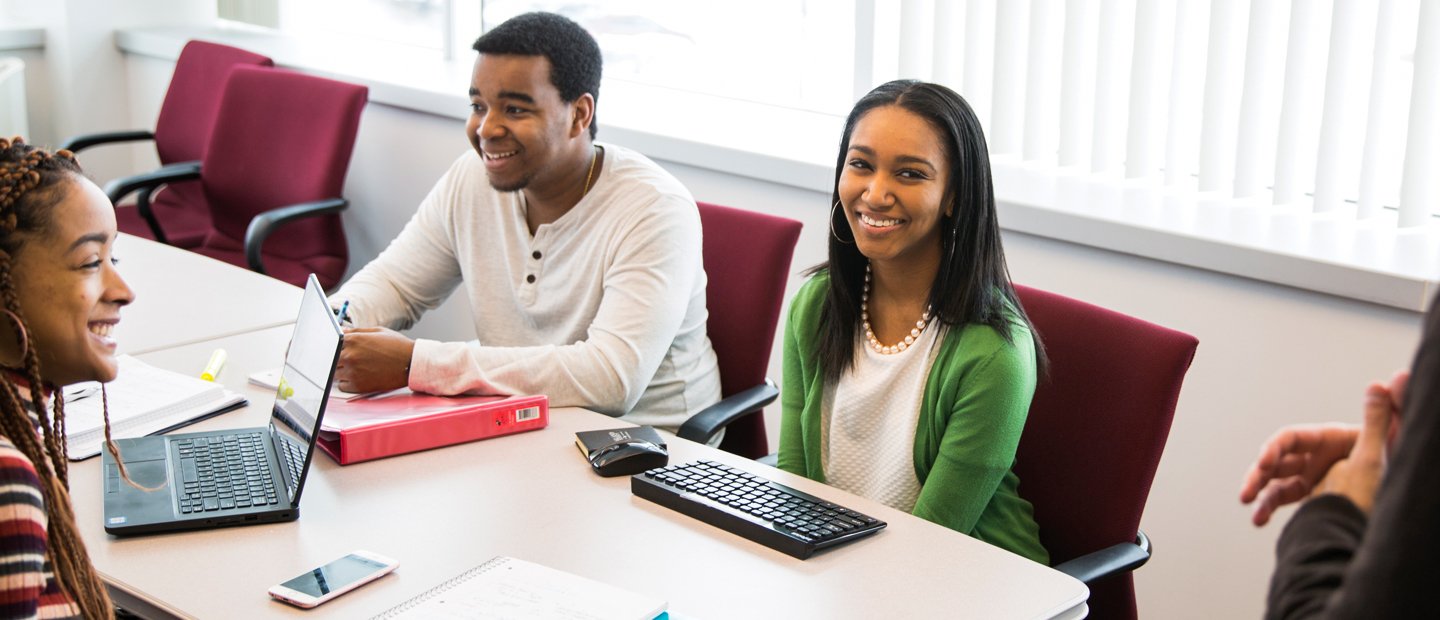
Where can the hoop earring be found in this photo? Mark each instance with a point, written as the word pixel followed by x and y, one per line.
pixel 20 332
pixel 832 226
pixel 954 238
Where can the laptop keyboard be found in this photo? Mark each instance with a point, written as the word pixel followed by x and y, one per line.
pixel 227 472
pixel 294 457
pixel 782 518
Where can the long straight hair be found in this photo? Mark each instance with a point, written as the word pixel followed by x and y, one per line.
pixel 972 284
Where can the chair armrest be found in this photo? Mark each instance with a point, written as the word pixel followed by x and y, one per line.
pixel 262 225
pixel 146 183
pixel 1108 562
pixel 85 141
pixel 118 189
pixel 705 424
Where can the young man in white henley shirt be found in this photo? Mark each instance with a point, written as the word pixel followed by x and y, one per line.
pixel 581 260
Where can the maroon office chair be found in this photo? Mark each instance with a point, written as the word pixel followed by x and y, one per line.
pixel 747 262
pixel 273 173
pixel 181 132
pixel 1092 442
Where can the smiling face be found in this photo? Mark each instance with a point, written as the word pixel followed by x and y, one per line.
pixel 519 124
pixel 893 186
pixel 69 290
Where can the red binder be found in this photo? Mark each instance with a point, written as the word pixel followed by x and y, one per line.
pixel 409 422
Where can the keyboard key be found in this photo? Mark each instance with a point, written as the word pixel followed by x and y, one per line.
pixel 187 470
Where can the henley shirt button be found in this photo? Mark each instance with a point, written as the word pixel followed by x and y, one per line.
pixel 530 278
pixel 535 255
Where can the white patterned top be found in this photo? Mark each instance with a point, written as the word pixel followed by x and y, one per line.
pixel 868 421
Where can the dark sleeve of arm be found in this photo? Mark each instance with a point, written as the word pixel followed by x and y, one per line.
pixel 1313 553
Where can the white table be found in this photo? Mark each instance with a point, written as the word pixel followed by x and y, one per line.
pixel 532 496
pixel 182 297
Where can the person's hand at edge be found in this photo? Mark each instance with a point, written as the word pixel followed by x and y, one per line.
pixel 1291 463
pixel 1397 401
pixel 374 359
pixel 1295 459
pixel 1358 476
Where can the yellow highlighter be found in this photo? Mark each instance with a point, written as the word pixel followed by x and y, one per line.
pixel 212 369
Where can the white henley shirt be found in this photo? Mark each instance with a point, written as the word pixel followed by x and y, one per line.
pixel 603 308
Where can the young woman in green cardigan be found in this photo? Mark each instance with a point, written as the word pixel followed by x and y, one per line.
pixel 909 365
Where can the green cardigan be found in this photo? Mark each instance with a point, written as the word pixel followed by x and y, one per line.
pixel 971 415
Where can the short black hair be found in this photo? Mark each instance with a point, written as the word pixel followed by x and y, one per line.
pixel 574 55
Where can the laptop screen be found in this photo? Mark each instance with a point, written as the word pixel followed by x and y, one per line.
pixel 305 383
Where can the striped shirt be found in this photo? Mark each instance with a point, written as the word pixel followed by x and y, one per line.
pixel 28 588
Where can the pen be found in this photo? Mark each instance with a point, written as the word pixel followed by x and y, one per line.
pixel 340 316
pixel 212 369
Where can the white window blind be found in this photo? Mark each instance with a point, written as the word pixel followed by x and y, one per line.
pixel 1309 105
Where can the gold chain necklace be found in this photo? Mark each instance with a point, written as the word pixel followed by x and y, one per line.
pixel 594 150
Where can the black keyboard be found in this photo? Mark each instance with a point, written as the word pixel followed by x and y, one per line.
pixel 787 520
pixel 294 457
pixel 228 472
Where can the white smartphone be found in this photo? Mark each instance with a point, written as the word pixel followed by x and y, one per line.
pixel 331 580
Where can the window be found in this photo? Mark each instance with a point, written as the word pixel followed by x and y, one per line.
pixel 790 53
pixel 1306 103
pixel 446 27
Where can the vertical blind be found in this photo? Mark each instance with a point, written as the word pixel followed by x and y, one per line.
pixel 1326 105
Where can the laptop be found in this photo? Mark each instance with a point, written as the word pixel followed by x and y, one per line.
pixel 240 476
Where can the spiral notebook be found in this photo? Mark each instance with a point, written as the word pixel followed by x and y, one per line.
pixel 507 588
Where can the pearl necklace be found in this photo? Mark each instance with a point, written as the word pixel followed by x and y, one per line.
pixel 870 333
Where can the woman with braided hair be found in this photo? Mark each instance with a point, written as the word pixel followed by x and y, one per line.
pixel 61 299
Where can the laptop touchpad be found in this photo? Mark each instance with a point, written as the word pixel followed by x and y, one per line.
pixel 143 449
pixel 144 473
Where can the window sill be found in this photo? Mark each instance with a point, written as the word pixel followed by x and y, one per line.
pixel 1370 261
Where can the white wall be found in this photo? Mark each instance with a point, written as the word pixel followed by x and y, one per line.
pixel 81 87
pixel 1269 355
pixel 37 96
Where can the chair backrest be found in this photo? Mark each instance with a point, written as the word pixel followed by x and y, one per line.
pixel 747 263
pixel 1096 429
pixel 282 138
pixel 193 99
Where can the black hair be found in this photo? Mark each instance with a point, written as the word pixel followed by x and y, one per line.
pixel 972 284
pixel 574 56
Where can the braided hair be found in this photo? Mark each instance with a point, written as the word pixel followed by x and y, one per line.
pixel 32 183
